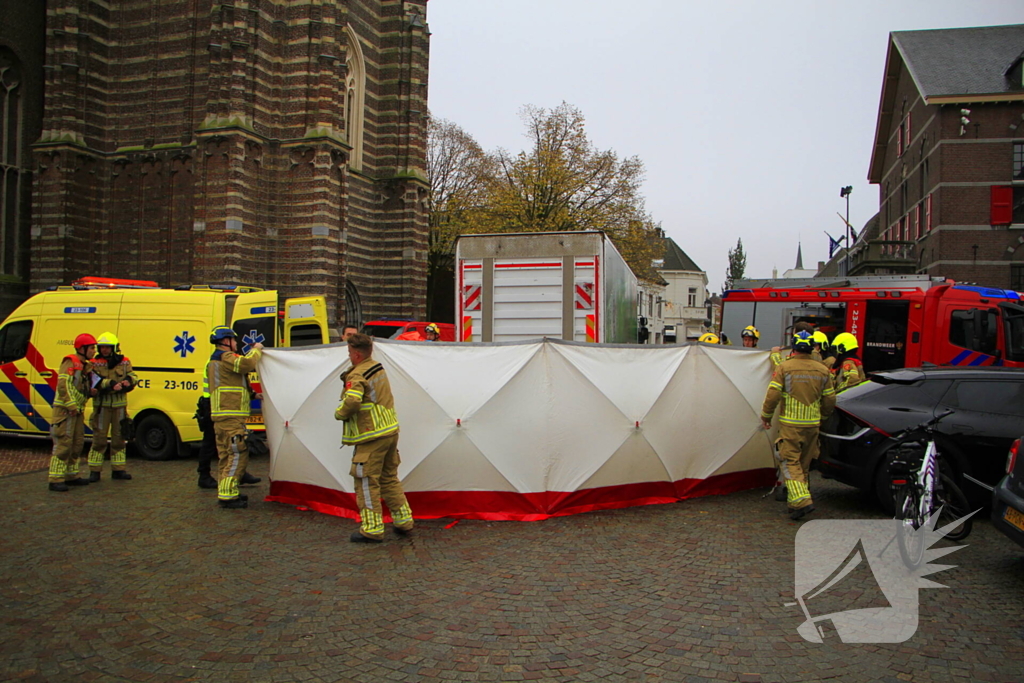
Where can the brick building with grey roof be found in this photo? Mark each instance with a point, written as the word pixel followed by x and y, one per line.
pixel 948 158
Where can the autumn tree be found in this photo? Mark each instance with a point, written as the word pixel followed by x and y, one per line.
pixel 563 182
pixel 737 266
pixel 457 170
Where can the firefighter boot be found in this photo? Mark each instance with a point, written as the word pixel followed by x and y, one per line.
pixel 207 482
pixel 234 503
pixel 248 479
pixel 94 477
pixel 78 481
pixel 357 537
pixel 799 513
pixel 58 486
pixel 120 474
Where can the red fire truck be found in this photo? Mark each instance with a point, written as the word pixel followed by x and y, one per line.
pixel 899 321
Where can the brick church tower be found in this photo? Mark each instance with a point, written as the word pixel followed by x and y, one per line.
pixel 275 143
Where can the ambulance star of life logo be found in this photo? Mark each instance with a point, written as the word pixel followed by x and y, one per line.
pixel 183 344
pixel 853 580
pixel 254 337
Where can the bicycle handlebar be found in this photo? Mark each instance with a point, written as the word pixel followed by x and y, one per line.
pixel 924 426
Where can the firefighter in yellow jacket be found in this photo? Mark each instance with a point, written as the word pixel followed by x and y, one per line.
pixel 804 388
pixel 67 426
pixel 110 407
pixel 371 425
pixel 848 369
pixel 229 407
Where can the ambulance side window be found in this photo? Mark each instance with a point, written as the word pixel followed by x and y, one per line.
pixel 252 330
pixel 14 338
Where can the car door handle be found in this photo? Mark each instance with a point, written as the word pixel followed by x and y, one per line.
pixel 963 429
pixel 21 374
pixel 46 374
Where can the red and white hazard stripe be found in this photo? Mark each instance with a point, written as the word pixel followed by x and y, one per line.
pixel 471 297
pixel 584 296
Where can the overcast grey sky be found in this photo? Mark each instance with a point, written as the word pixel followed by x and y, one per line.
pixel 749 116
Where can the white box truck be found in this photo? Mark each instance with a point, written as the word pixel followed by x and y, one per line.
pixel 561 285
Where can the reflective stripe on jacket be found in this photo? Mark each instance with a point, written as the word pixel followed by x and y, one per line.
pixel 106 397
pixel 367 406
pixel 804 387
pixel 72 383
pixel 229 391
pixel 850 374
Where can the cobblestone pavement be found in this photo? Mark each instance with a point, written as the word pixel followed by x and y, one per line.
pixel 24 455
pixel 147 580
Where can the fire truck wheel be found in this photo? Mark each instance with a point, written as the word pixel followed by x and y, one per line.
pixel 156 438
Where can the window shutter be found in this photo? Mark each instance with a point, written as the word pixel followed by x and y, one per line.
pixel 1002 205
pixel 909 135
pixel 899 141
pixel 928 213
pixel 917 222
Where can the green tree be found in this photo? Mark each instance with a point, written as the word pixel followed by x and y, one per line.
pixel 458 171
pixel 737 266
pixel 563 182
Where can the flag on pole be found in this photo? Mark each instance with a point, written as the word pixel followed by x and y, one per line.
pixel 834 244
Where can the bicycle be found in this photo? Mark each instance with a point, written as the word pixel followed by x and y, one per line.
pixel 920 490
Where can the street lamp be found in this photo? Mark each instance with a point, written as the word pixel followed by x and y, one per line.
pixel 845 192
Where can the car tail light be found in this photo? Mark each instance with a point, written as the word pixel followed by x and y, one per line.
pixel 864 423
pixel 1011 458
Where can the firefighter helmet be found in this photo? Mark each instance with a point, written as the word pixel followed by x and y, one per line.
pixel 845 342
pixel 802 342
pixel 750 331
pixel 432 327
pixel 84 339
pixel 708 338
pixel 820 338
pixel 107 339
pixel 221 332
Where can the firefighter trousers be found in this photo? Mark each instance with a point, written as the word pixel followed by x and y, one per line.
pixel 233 453
pixel 68 434
pixel 798 446
pixel 104 420
pixel 375 471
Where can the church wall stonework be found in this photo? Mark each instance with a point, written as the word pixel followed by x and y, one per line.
pixel 210 142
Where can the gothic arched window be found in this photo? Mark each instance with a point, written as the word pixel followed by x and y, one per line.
pixel 14 175
pixel 355 97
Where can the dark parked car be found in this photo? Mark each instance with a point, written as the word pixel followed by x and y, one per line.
pixel 989 414
pixel 1008 498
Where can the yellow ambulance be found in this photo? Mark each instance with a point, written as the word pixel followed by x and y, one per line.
pixel 164 332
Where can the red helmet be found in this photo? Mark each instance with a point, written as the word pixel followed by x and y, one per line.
pixel 84 339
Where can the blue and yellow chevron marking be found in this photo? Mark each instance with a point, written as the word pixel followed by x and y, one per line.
pixel 24 407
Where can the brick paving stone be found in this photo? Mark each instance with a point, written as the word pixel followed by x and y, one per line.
pixel 149 580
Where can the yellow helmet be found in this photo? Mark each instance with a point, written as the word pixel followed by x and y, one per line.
pixel 708 338
pixel 820 338
pixel 845 342
pixel 107 339
pixel 432 327
pixel 750 331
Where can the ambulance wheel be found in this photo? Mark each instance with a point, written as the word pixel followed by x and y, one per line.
pixel 156 438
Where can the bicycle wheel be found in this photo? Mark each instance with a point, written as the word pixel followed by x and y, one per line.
pixel 954 506
pixel 912 544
